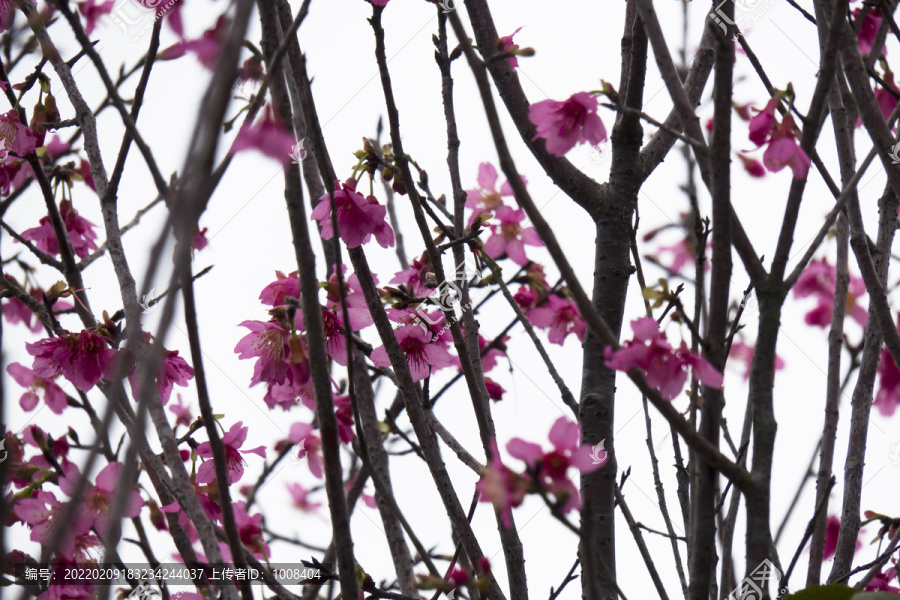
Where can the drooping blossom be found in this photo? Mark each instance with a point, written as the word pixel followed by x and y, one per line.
pixel 206 47
pixel 495 390
pixel 210 508
pixel 551 468
pixel 819 280
pixel 172 369
pixel 300 498
pixel 80 230
pixel 422 356
pixel 232 440
pixel 832 531
pixel 343 411
pixel 91 10
pixel 43 512
pixel 198 240
pixel 15 311
pixel 526 297
pixel 54 397
pixel 888 395
pixel 506 44
pixel 19 138
pixel 267 135
pixel 762 124
pixel 561 317
pixel 783 150
pixel 501 486
pixel 509 237
pixel 744 354
pixel 567 123
pixel 82 358
pixel 665 368
pixel 250 531
pixel 182 412
pixel 275 293
pixel 486 198
pixel 7 9
pixel 99 497
pixel 281 361
pixel 414 277
pixel 359 217
pixel 310 447
pixel 881 582
pixel 868 30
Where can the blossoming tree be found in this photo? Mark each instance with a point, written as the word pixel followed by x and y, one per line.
pixel 351 353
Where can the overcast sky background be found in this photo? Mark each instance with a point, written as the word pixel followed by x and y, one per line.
pixel 577 45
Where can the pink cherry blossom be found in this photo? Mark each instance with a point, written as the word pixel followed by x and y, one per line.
pixel 567 123
pixel 552 467
pixel 665 368
pixel 818 280
pixel 832 530
pixel 762 124
pixel 509 237
pixel 82 358
pixel 744 353
pixel 268 135
pixel 501 486
pixel 868 29
pixel 423 356
pixel 783 151
pixel 250 531
pixel 358 217
pixel 352 290
pixel 173 369
pixel 561 317
pixel 335 340
pixel 42 513
pixel 888 395
pixel 507 45
pixel 282 361
pixel 198 240
pixel 682 253
pixel 232 440
pixel 80 231
pixel 881 582
pixel 485 199
pixel 300 498
pixel 7 8
pixel 91 10
pixel 494 389
pixel 19 138
pixel 414 277
pixel 182 412
pixel 54 397
pixel 99 497
pixel 206 47
pixel 283 286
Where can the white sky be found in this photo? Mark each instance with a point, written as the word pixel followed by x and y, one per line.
pixel 577 44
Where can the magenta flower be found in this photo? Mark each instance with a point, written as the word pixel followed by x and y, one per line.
pixel 358 217
pixel 564 124
pixel 495 390
pixel 198 240
pixel 7 8
pixel 54 397
pixel 42 514
pixel 818 280
pixel 423 356
pixel 832 530
pixel 233 440
pixel 250 531
pixel 310 447
pixel 414 277
pixel 561 317
pixel 182 412
pixel 92 11
pixel 551 468
pixel 487 198
pixel 526 297
pixel 283 286
pixel 300 498
pixel 352 291
pixel 507 45
pixel 15 311
pixel 206 47
pixel 753 167
pixel 783 151
pixel 762 124
pixel 333 321
pixel 868 29
pixel 744 353
pixel 682 254
pixel 881 582
pixel 19 138
pixel 173 369
pixel 82 358
pixel 80 231
pixel 888 395
pixel 98 498
pixel 282 361
pixel 509 237
pixel 268 136
pixel 501 486
pixel 665 368
pixel 887 101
